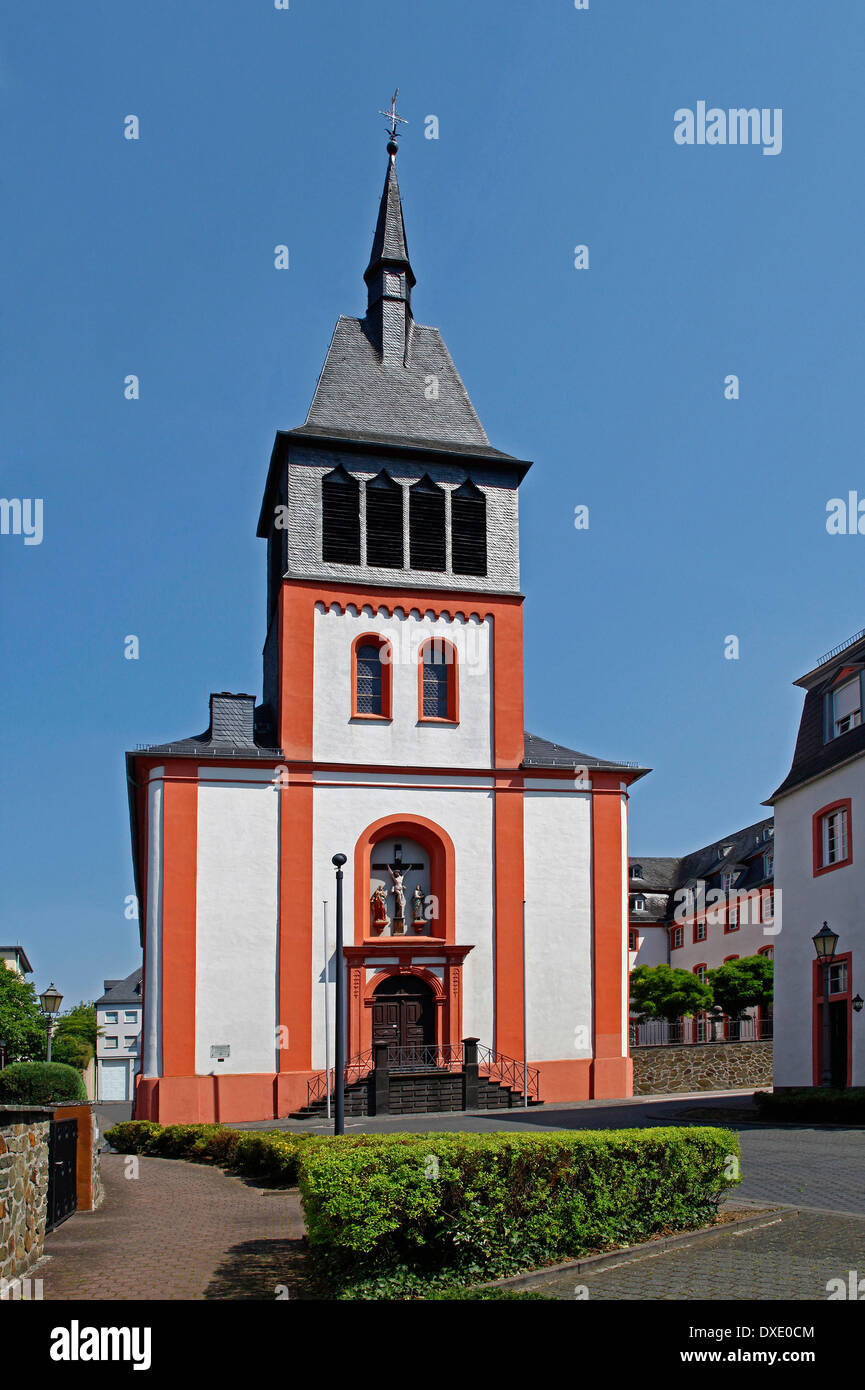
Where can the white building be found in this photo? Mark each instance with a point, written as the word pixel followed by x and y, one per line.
pixel 13 958
pixel 118 1044
pixel 819 810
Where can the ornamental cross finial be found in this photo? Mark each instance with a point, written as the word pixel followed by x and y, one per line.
pixel 394 118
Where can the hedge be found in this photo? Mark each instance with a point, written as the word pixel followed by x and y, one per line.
pixel 40 1083
pixel 271 1155
pixel 384 1211
pixel 818 1104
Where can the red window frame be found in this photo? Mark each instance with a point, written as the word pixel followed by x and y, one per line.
pixel 817 836
pixel 674 944
pixel 453 684
pixel 374 639
pixel 705 937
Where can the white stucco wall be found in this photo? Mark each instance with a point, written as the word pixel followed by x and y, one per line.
pixel 802 903
pixel 403 740
pixel 558 888
pixel 237 919
pixel 340 815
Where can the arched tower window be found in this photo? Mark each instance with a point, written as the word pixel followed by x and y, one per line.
pixel 469 530
pixel 438 680
pixel 426 524
pixel 371 677
pixel 384 541
pixel 340 511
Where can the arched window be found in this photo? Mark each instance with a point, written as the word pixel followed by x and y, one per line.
pixel 384 542
pixel 426 525
pixel 468 530
pixel 340 518
pixel 371 677
pixel 700 972
pixel 438 681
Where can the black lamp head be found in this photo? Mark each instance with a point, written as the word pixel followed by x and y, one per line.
pixel 338 860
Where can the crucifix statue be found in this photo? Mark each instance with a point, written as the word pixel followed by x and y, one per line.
pixel 398 869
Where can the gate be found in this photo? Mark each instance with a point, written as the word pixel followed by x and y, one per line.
pixel 62 1185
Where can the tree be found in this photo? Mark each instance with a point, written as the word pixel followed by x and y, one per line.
pixel 22 1027
pixel 75 1033
pixel 740 985
pixel 657 991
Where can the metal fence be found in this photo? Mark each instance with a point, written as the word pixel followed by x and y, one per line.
pixel 658 1033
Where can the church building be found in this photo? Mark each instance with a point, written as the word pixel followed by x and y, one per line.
pixel 487 868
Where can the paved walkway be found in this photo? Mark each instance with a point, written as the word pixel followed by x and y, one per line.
pixel 177 1231
pixel 791 1260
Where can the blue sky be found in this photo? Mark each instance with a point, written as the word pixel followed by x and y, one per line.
pixel 155 257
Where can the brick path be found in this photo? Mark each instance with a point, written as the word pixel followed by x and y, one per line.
pixel 789 1260
pixel 178 1231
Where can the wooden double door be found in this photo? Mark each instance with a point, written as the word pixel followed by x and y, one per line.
pixel 403 1016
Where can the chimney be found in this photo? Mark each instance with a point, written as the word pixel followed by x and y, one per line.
pixel 231 719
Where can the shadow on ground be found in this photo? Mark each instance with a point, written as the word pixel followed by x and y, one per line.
pixel 261 1269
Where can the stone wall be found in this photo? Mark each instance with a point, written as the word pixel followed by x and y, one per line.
pixel 718 1066
pixel 23 1188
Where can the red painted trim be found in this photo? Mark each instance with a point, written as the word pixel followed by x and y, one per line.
pixel 442 856
pixel 374 639
pixel 179 881
pixel 452 667
pixel 509 893
pixel 817 836
pixel 295 922
pixel 817 1001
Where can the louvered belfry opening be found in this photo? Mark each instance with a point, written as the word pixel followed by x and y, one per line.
pixel 340 506
pixel 384 539
pixel 426 522
pixel 468 530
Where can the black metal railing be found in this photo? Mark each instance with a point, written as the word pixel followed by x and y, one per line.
pixel 657 1033
pixel 516 1075
pixel 356 1068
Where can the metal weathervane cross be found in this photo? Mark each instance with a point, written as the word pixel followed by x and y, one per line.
pixel 393 117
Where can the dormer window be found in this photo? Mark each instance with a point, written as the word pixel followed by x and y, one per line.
pixel 844 707
pixel 728 878
pixel 636 871
pixel 639 903
pixel 768 865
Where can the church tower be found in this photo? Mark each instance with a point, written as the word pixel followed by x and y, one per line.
pixel 390 730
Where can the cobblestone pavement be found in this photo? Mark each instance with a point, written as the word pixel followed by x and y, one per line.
pixel 178 1231
pixel 789 1260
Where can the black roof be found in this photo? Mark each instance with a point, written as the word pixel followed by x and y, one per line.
pixel 814 754
pixel 741 852
pixel 540 752
pixel 126 991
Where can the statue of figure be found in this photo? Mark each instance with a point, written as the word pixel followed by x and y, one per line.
pixel 418 903
pixel 398 891
pixel 378 903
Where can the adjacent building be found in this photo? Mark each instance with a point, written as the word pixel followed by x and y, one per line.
pixel 819 810
pixel 486 867
pixel 711 906
pixel 14 958
pixel 118 1042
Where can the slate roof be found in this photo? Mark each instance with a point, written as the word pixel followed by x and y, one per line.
pixel 540 752
pixel 662 876
pixel 358 392
pixel 238 728
pixel 126 991
pixel 813 754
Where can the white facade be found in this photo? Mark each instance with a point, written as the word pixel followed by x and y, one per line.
pixel 804 900
pixel 118 1050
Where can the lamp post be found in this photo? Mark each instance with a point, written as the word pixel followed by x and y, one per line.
pixel 339 1060
pixel 825 942
pixel 50 1000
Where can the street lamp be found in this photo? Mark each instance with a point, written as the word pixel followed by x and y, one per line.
pixel 825 942
pixel 50 1000
pixel 339 1060
pixel 858 1001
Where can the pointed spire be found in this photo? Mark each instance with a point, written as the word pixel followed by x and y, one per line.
pixel 389 276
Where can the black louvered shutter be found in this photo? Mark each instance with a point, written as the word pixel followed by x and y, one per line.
pixel 469 530
pixel 426 525
pixel 340 506
pixel 384 545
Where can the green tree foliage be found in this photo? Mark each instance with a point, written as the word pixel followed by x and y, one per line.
pixel 22 1027
pixel 740 985
pixel 657 991
pixel 75 1033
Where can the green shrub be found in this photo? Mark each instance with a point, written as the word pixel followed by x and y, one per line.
pixel 818 1104
pixel 394 1213
pixel 132 1136
pixel 264 1154
pixel 40 1083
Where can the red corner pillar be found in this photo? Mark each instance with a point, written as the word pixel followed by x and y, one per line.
pixel 612 1069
